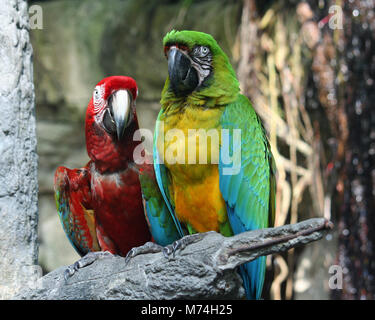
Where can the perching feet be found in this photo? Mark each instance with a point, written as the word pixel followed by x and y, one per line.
pixel 148 247
pixel 182 243
pixel 151 247
pixel 85 261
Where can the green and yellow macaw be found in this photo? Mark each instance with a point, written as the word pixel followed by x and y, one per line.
pixel 229 185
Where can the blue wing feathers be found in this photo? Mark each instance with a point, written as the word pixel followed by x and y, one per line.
pixel 244 193
pixel 161 175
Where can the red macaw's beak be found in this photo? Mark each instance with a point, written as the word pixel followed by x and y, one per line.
pixel 121 110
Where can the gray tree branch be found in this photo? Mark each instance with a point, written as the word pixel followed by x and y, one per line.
pixel 204 267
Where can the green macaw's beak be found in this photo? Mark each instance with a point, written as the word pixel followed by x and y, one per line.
pixel 182 75
pixel 121 107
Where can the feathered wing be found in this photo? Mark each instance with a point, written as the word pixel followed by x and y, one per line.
pixel 162 180
pixel 248 186
pixel 159 219
pixel 72 195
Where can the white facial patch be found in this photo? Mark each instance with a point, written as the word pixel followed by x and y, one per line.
pixel 203 70
pixel 98 99
pixel 201 60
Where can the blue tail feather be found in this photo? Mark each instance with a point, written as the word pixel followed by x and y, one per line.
pixel 252 274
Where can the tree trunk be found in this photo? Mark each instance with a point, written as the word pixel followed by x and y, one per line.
pixel 18 158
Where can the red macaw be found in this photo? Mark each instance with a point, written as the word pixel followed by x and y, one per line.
pixel 100 205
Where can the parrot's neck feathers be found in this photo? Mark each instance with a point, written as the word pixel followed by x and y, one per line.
pixel 108 153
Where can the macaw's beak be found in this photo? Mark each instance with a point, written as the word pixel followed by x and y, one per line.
pixel 182 75
pixel 121 110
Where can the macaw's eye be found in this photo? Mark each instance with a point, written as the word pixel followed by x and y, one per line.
pixel 96 94
pixel 204 50
pixel 201 51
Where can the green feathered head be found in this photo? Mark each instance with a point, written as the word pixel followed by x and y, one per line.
pixel 199 71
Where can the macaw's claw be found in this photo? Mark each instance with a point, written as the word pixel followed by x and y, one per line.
pixel 181 244
pixel 69 271
pixel 84 262
pixel 148 247
pixel 172 248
